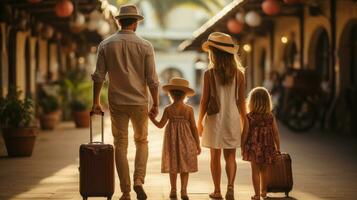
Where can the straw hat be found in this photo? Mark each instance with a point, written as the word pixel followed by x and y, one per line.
pixel 221 41
pixel 179 84
pixel 129 11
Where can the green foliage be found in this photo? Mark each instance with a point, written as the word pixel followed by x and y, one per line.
pixel 14 112
pixel 76 90
pixel 48 103
pixel 163 7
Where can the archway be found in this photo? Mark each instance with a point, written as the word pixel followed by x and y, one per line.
pixel 12 58
pixel 28 73
pixel 319 50
pixel 348 55
pixel 348 75
pixel 169 73
pixel 165 77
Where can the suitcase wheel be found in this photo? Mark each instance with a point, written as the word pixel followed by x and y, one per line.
pixel 287 194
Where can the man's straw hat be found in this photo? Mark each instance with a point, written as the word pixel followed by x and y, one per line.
pixel 129 11
pixel 221 41
pixel 179 84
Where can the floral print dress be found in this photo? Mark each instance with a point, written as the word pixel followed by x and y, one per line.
pixel 260 145
pixel 179 153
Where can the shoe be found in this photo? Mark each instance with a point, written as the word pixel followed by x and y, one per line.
pixel 140 193
pixel 173 194
pixel 230 193
pixel 215 196
pixel 184 195
pixel 255 197
pixel 125 196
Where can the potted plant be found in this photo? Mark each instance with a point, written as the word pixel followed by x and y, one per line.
pixel 50 112
pixel 17 117
pixel 80 103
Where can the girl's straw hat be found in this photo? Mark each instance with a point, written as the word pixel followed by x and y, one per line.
pixel 179 84
pixel 221 41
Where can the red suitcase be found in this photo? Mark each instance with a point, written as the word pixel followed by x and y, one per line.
pixel 279 175
pixel 96 167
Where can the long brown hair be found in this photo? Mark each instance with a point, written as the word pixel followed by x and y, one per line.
pixel 224 64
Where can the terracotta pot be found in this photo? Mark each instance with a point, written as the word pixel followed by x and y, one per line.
pixel 81 118
pixel 48 121
pixel 19 141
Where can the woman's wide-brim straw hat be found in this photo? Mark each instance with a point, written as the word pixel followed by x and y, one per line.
pixel 220 41
pixel 129 11
pixel 179 84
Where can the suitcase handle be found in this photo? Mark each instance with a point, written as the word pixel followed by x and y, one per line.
pixel 102 126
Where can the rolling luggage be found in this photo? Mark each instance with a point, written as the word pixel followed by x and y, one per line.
pixel 279 174
pixel 96 166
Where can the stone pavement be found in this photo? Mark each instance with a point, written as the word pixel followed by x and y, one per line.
pixel 324 167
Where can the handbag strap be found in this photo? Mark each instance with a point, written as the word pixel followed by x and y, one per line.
pixel 212 83
pixel 237 86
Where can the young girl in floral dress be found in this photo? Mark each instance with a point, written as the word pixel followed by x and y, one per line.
pixel 261 142
pixel 181 143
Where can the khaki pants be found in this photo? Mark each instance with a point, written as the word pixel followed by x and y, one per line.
pixel 120 116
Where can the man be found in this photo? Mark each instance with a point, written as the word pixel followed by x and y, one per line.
pixel 129 62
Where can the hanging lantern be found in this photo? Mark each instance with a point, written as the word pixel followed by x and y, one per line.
pixel 271 7
pixel 103 27
pixel 253 19
pixel 77 25
pixel 240 17
pixel 234 26
pixel 293 1
pixel 64 8
pixel 34 1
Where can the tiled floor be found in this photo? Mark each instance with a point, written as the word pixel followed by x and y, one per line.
pixel 324 167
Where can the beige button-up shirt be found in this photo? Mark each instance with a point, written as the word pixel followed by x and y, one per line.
pixel 129 61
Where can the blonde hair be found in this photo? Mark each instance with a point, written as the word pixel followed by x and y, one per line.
pixel 225 64
pixel 259 101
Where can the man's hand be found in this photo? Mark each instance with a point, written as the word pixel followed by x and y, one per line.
pixel 154 111
pixel 97 109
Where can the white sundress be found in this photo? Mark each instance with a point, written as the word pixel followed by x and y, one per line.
pixel 223 130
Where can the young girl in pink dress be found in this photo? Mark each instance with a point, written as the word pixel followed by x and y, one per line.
pixel 261 142
pixel 181 143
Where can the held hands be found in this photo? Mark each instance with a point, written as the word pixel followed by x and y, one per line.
pixel 198 149
pixel 154 111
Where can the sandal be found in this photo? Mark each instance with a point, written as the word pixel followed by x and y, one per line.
pixel 255 197
pixel 215 196
pixel 230 193
pixel 184 195
pixel 173 194
pixel 264 196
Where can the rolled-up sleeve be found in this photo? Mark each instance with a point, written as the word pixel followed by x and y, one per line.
pixel 152 79
pixel 101 68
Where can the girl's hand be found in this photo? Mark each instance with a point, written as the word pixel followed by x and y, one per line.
pixel 200 129
pixel 198 150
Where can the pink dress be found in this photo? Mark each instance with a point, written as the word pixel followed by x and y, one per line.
pixel 179 153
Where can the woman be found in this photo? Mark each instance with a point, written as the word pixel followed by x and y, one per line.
pixel 223 83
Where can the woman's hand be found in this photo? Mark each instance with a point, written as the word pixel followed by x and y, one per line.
pixel 200 128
